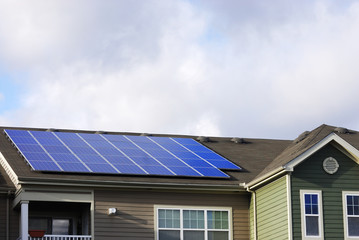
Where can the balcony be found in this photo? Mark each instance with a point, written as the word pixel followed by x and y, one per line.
pixel 60 237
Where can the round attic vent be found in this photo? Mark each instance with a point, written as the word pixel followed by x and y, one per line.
pixel 330 165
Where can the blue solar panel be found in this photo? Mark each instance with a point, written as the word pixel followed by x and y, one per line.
pixel 60 157
pixel 24 140
pixel 119 159
pixel 36 156
pixel 211 172
pixel 30 148
pixel 130 169
pixel 73 167
pixel 186 141
pixel 45 166
pixel 102 168
pixel 118 154
pixel 223 164
pixel 157 170
pixel 124 145
pixel 107 151
pixel 91 158
pixel 57 149
pixel 184 171
pixel 206 154
pixel 17 133
pixel 172 162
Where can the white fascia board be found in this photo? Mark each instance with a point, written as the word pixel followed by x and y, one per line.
pixel 9 171
pixel 331 137
pixel 267 177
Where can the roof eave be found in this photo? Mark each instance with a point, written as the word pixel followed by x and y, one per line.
pixel 128 184
pixel 267 177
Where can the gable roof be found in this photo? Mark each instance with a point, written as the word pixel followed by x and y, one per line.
pixel 308 143
pixel 252 156
pixel 258 158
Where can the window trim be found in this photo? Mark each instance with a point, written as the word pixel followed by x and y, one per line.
pixel 345 214
pixel 181 208
pixel 303 215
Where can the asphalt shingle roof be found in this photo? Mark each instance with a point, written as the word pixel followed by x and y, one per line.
pixel 253 156
pixel 257 158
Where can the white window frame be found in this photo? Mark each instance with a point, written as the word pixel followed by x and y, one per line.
pixel 303 215
pixel 205 209
pixel 345 214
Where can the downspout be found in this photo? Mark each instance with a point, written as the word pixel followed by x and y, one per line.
pixel 254 212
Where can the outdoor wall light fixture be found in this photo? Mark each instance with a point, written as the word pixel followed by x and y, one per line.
pixel 111 211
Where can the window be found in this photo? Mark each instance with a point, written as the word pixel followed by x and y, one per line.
pixel 311 211
pixel 56 226
pixel 193 224
pixel 351 215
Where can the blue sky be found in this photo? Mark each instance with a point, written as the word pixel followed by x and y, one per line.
pixel 204 67
pixel 10 93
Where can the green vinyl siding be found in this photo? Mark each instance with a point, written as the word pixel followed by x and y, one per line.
pixel 309 175
pixel 272 211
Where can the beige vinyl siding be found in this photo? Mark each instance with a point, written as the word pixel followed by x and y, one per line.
pixel 272 211
pixel 3 213
pixel 13 218
pixel 310 175
pixel 135 220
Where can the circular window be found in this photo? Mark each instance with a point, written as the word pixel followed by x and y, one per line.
pixel 330 165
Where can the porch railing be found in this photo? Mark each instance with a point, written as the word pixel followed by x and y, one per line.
pixel 61 237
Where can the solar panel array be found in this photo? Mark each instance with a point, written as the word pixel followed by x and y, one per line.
pixel 118 154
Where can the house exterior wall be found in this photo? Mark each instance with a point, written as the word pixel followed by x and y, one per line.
pixel 135 220
pixel 272 211
pixel 13 219
pixel 310 175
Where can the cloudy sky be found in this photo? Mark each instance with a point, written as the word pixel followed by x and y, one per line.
pixel 264 69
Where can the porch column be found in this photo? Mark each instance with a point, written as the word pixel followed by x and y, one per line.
pixel 24 224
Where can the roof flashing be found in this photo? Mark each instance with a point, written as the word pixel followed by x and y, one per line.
pixel 343 130
pixel 301 137
pixel 100 132
pixel 52 130
pixel 203 139
pixel 239 140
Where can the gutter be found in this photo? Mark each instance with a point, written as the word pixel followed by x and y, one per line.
pixel 125 184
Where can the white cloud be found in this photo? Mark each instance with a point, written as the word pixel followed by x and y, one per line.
pixel 207 68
